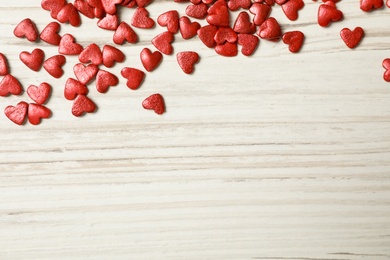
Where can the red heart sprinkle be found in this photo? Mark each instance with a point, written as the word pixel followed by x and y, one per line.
pixel 82 104
pixel 261 12
pixel 328 13
pixel 134 77
pixel 53 65
pixel 124 33
pixel 155 102
pixel 69 13
pixel 218 14
pixel 187 60
pixel 91 54
pixel 141 19
pixel 249 43
pixel 225 34
pixel 294 40
pixel 227 49
pixel 243 24
pixel 386 66
pixel 198 11
pixel 84 8
pixel 291 8
pixel 74 88
pixel 188 29
pixel 3 65
pixel 143 3
pixel 85 74
pixel 270 30
pixel 150 60
pixel 104 80
pixel 163 42
pixel 36 112
pixel 110 5
pixel 28 29
pixel 112 55
pixel 68 46
pixel 109 22
pixel 236 4
pixel 206 35
pixel 10 85
pixel 18 113
pixel 39 94
pixel 50 33
pixel 54 6
pixel 33 60
pixel 352 38
pixel 169 19
pixel 368 5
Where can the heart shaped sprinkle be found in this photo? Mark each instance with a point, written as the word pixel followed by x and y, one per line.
pixel 141 19
pixel 33 60
pixel 134 77
pixel 328 13
pixel 109 22
pixel 124 33
pixel 187 60
pixel 291 8
pixel 68 46
pixel 104 80
pixel 150 60
pixel 74 88
pixel 82 104
pixel 270 30
pixel 85 74
pixel 155 102
pixel 294 40
pixel 54 6
pixel 69 14
pixel 386 66
pixel 249 43
pixel 36 112
pixel 169 19
pixel 188 29
pixel 3 65
pixel 112 55
pixel 18 113
pixel 198 11
pixel 10 85
pixel 352 38
pixel 53 65
pixel 91 54
pixel 39 94
pixel 163 42
pixel 28 29
pixel 50 33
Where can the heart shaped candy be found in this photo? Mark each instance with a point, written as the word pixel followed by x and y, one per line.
pixel 352 38
pixel 39 94
pixel 163 42
pixel 124 33
pixel 50 33
pixel 386 66
pixel 54 6
pixel 188 29
pixel 10 85
pixel 18 113
pixel 68 46
pixel 82 104
pixel 150 60
pixel 3 65
pixel 294 40
pixel 28 29
pixel 33 60
pixel 85 74
pixel 104 80
pixel 141 19
pixel 169 19
pixel 91 54
pixel 74 88
pixel 249 43
pixel 112 55
pixel 53 65
pixel 155 102
pixel 69 14
pixel 36 112
pixel 134 77
pixel 187 60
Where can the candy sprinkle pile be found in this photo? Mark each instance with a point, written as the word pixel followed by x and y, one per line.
pixel 253 23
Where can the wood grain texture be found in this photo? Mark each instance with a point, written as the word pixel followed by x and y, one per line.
pixel 275 156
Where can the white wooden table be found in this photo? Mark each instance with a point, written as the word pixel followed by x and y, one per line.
pixel 275 156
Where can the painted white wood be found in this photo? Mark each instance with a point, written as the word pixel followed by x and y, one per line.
pixel 275 156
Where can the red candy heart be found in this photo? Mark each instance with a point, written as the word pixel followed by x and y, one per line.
pixel 243 24
pixel 169 19
pixel 291 8
pixel 206 35
pixel 294 40
pixel 227 49
pixel 10 85
pixel 187 60
pixel 109 22
pixel 74 88
pixel 236 4
pixel 150 60
pixel 155 102
pixel 33 60
pixel 68 46
pixel 261 12
pixel 54 6
pixel 82 104
pixel 18 113
pixel 36 112
pixel 225 34
pixel 270 30
pixel 39 94
pixel 188 29
pixel 386 65
pixel 110 5
pixel 3 65
pixel 141 19
pixel 134 77
pixel 104 80
pixel 218 14
pixel 112 55
pixel 69 13
pixel 124 33
pixel 83 7
pixel 249 43
pixel 53 65
pixel 163 42
pixel 368 5
pixel 85 74
pixel 28 29
pixel 50 33
pixel 352 38
pixel 198 11
pixel 328 13
pixel 91 54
